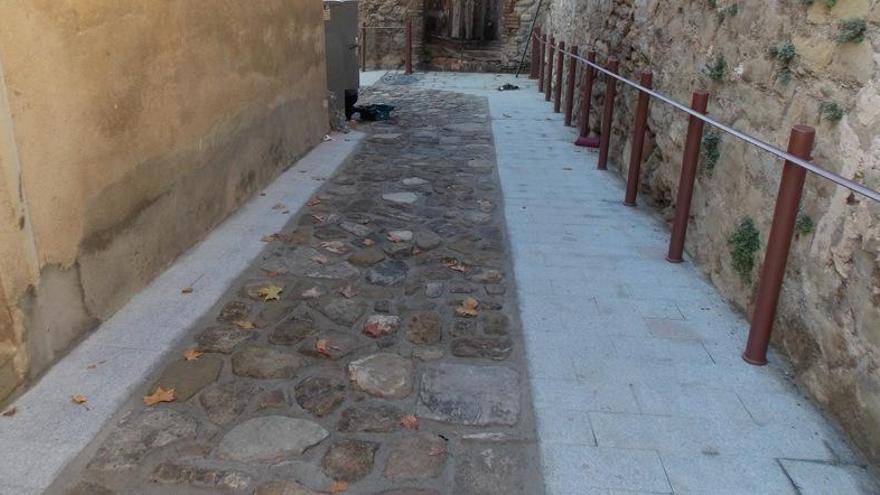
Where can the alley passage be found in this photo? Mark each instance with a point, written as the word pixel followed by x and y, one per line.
pixel 374 348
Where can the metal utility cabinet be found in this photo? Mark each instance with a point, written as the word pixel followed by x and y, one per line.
pixel 340 33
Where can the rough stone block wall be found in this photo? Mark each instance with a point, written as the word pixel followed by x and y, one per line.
pixel 829 318
pixel 385 47
pixel 128 130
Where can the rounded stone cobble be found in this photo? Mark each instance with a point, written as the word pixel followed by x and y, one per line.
pixel 361 371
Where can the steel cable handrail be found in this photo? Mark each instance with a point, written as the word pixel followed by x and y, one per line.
pixel 837 179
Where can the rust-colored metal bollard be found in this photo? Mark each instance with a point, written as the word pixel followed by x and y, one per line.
pixel 548 85
pixel 557 96
pixel 533 63
pixel 569 85
pixel 541 51
pixel 586 104
pixel 638 140
pixel 800 144
pixel 407 64
pixel 607 114
pixel 363 47
pixel 699 102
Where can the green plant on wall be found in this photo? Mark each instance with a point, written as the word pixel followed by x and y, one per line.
pixel 830 111
pixel 744 242
pixel 828 3
pixel 804 224
pixel 851 31
pixel 729 11
pixel 716 68
pixel 710 151
pixel 784 54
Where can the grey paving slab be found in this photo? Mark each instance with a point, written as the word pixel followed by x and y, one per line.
pixel 648 351
pixel 818 478
pixel 727 475
pixel 588 469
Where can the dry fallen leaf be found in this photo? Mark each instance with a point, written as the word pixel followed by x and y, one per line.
pixel 319 218
pixel 279 206
pixel 435 451
pixel 372 330
pixel 468 308
pixel 348 292
pixel 322 260
pixel 271 292
pixel 323 347
pixel 410 422
pixel 454 265
pixel 187 290
pixel 160 395
pixel 80 400
pixel 9 412
pixel 244 324
pixel 192 355
pixel 337 247
pixel 338 486
pixel 314 202
pixel 277 236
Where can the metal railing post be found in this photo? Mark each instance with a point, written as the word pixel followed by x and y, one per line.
pixel 569 85
pixel 557 96
pixel 638 140
pixel 800 144
pixel 548 85
pixel 607 114
pixel 533 63
pixel 699 103
pixel 586 101
pixel 407 64
pixel 363 47
pixel 541 51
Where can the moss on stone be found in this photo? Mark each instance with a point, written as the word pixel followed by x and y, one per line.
pixel 744 242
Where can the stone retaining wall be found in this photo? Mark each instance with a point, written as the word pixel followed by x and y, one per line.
pixel 784 63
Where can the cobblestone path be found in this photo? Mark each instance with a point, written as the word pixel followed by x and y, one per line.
pixel 375 347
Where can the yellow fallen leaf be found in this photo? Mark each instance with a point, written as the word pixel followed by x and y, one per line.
pixel 271 292
pixel 192 355
pixel 244 324
pixel 160 395
pixel 410 422
pixel 454 265
pixel 338 486
pixel 322 346
pixel 468 308
pixel 348 292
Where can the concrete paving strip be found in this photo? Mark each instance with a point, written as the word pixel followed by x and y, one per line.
pixel 48 429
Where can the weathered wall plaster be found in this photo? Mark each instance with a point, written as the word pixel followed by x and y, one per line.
pixel 127 131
